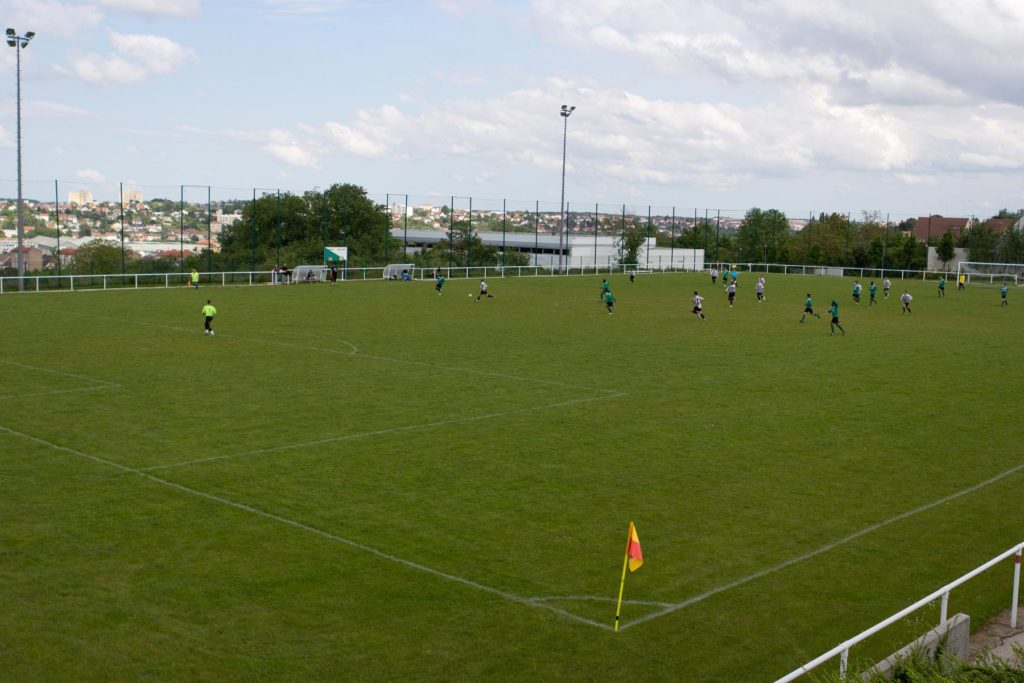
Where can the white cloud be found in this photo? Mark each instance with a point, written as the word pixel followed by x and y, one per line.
pixel 52 19
pixel 90 175
pixel 157 54
pixel 622 139
pixel 138 56
pixel 6 139
pixel 887 52
pixel 56 110
pixel 110 70
pixel 283 146
pixel 172 8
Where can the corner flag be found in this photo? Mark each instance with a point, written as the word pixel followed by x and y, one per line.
pixel 634 559
pixel 633 552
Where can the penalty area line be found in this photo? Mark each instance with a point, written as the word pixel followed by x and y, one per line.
pixel 822 549
pixel 378 432
pixel 512 597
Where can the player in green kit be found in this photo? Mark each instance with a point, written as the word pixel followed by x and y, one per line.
pixel 856 291
pixel 1003 291
pixel 605 289
pixel 439 283
pixel 942 287
pixel 834 310
pixel 872 291
pixel 609 301
pixel 208 314
pixel 809 308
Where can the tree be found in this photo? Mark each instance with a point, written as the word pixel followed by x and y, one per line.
pixel 763 235
pixel 293 229
pixel 629 249
pixel 97 256
pixel 945 250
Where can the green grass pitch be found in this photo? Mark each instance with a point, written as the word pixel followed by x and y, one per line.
pixel 368 481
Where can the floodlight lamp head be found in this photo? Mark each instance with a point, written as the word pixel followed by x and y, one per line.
pixel 11 31
pixel 29 35
pixel 11 43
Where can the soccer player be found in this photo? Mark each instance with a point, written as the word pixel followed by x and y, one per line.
pixel 208 314
pixel 632 276
pixel 483 291
pixel 809 308
pixel 834 310
pixel 439 283
pixel 906 299
pixel 714 275
pixel 334 275
pixel 856 291
pixel 872 291
pixel 942 286
pixel 698 305
pixel 605 289
pixel 195 279
pixel 1003 291
pixel 961 281
pixel 609 302
pixel 732 293
pixel 732 274
pixel 759 288
pixel 886 285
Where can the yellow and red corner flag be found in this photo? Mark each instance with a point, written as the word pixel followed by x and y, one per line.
pixel 633 552
pixel 634 559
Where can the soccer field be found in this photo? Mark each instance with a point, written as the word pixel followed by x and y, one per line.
pixel 368 481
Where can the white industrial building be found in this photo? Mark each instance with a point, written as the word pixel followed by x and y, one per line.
pixel 576 250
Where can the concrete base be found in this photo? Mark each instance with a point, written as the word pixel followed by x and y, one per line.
pixel 954 636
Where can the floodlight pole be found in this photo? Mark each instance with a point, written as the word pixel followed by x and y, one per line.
pixel 19 43
pixel 566 113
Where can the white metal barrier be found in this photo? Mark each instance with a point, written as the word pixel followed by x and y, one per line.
pixel 843 649
pixel 140 280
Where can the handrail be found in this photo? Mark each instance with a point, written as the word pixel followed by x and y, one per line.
pixel 843 648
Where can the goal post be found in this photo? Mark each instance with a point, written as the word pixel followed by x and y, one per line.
pixel 982 272
pixel 393 271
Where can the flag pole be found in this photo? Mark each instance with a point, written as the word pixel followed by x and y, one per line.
pixel 622 583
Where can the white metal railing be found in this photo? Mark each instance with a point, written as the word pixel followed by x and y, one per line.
pixel 39 283
pixel 843 649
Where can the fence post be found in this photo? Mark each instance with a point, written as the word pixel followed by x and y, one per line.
pixel 1016 587
pixel 843 659
pixel 944 611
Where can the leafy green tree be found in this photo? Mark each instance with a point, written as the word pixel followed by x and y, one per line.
pixel 981 243
pixel 763 235
pixel 97 256
pixel 945 249
pixel 629 247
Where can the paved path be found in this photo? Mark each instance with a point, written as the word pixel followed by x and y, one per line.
pixel 997 637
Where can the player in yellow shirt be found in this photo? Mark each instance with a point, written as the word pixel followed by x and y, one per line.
pixel 208 314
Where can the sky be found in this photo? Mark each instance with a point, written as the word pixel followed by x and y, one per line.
pixel 909 108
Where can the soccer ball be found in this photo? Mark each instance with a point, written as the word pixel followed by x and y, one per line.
pixel 471 295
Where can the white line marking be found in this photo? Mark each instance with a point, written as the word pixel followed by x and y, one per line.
pixel 597 598
pixel 379 432
pixel 311 529
pixel 56 391
pixel 354 352
pixel 825 548
pixel 59 372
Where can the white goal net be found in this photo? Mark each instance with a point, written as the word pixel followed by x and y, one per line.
pixel 394 271
pixel 308 274
pixel 978 272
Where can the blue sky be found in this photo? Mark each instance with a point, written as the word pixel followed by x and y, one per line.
pixel 823 105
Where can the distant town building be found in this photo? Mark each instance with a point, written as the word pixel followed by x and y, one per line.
pixel 129 196
pixel 80 197
pixel 934 227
